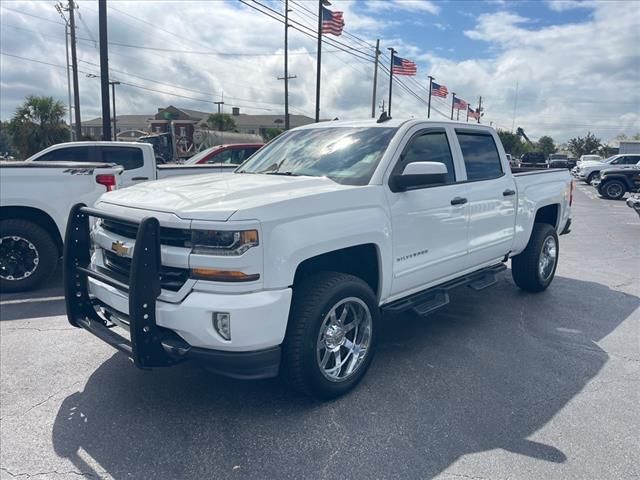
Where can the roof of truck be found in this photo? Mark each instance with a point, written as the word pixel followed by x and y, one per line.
pixel 393 122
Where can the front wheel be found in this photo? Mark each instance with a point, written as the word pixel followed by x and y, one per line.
pixel 591 177
pixel 331 334
pixel 534 268
pixel 28 255
pixel 613 190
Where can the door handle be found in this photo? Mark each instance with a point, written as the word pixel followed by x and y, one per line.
pixel 458 201
pixel 140 178
pixel 508 193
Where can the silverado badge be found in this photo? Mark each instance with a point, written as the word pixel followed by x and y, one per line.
pixel 120 248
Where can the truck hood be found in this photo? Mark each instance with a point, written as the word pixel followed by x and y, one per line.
pixel 218 196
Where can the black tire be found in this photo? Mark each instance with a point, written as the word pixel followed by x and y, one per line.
pixel 591 176
pixel 312 301
pixel 525 266
pixel 612 189
pixel 42 246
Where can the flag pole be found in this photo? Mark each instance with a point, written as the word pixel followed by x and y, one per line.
pixel 429 107
pixel 319 59
pixel 375 80
pixel 479 109
pixel 467 113
pixel 393 52
pixel 453 102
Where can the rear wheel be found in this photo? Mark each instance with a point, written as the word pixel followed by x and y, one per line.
pixel 331 334
pixel 534 269
pixel 613 190
pixel 28 255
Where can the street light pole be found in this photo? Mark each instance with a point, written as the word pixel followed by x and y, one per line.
pixel 113 101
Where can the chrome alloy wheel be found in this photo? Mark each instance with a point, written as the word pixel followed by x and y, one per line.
pixel 548 257
pixel 344 339
pixel 19 258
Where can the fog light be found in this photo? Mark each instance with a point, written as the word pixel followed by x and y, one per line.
pixel 222 324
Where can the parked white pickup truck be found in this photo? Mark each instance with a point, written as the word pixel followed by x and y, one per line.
pixel 286 265
pixel 138 159
pixel 35 199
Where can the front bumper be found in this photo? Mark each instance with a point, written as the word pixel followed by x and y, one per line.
pixel 162 333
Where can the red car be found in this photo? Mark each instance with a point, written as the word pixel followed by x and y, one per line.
pixel 230 155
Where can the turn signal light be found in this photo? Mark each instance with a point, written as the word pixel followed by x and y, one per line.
pixel 108 181
pixel 222 275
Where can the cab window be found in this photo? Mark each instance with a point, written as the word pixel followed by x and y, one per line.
pixel 68 154
pixel 130 158
pixel 428 147
pixel 480 155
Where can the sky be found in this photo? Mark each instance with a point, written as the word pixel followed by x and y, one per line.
pixel 556 67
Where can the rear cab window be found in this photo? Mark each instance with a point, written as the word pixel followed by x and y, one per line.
pixel 480 155
pixel 129 157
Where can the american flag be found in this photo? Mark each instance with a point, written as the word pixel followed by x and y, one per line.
pixel 460 104
pixel 332 22
pixel 402 66
pixel 473 114
pixel 439 90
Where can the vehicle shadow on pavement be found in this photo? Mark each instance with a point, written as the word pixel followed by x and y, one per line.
pixel 486 372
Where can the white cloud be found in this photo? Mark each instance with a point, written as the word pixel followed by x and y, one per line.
pixel 407 5
pixel 564 5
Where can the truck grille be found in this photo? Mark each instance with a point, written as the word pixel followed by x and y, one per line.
pixel 171 278
pixel 175 237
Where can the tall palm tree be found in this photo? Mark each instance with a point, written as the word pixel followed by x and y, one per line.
pixel 37 124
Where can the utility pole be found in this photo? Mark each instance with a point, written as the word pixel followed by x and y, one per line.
pixel 479 108
pixel 74 66
pixel 104 69
pixel 219 104
pixel 113 100
pixel 453 102
pixel 375 80
pixel 429 105
pixel 321 4
pixel 286 66
pixel 393 52
pixel 61 9
pixel 467 113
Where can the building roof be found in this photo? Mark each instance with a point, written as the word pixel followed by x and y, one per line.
pixel 122 119
pixel 244 120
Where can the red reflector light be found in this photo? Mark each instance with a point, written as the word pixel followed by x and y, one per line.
pixel 108 181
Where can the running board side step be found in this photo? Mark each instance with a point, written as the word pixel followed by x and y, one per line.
pixel 432 299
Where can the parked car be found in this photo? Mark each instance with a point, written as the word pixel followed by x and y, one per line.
pixel 285 265
pixel 572 162
pixel 225 156
pixel 589 171
pixel 35 199
pixel 558 160
pixel 138 159
pixel 589 158
pixel 634 202
pixel 615 183
pixel 533 159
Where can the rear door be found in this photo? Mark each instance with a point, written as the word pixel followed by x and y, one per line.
pixel 131 158
pixel 491 194
pixel 429 224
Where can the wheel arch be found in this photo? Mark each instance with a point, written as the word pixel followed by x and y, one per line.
pixel 363 261
pixel 548 214
pixel 36 216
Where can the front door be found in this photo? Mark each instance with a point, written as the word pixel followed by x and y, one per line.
pixel 429 224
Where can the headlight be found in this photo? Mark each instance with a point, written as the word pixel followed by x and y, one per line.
pixel 223 242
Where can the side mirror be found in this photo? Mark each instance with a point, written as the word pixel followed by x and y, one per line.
pixel 419 174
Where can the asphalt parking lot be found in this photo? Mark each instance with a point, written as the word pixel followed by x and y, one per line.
pixel 500 384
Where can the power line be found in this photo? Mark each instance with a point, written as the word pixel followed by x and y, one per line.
pixel 31 15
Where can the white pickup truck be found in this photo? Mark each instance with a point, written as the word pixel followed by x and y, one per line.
pixel 138 160
pixel 285 266
pixel 35 199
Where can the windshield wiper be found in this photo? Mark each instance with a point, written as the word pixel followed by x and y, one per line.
pixel 289 174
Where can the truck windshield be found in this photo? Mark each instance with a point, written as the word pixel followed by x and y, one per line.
pixel 347 155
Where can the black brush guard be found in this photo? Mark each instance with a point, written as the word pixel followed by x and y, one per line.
pixel 150 345
pixel 146 344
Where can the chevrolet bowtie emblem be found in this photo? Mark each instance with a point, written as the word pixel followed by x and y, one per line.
pixel 120 248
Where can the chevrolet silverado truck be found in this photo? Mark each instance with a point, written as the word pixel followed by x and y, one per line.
pixel 35 199
pixel 285 266
pixel 138 160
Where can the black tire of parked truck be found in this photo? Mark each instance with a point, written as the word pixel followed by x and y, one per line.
pixel 331 335
pixel 28 255
pixel 612 189
pixel 592 176
pixel 533 269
